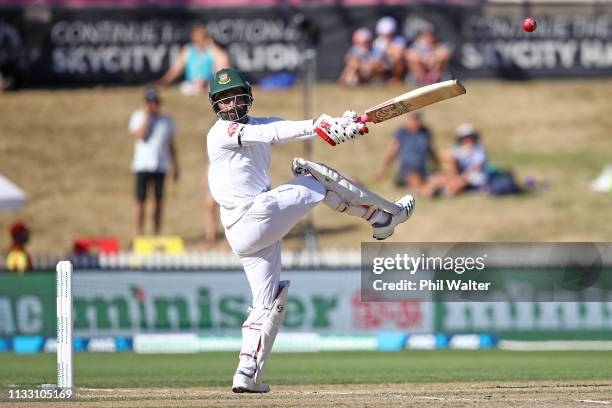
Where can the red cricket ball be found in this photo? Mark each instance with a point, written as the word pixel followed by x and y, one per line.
pixel 529 24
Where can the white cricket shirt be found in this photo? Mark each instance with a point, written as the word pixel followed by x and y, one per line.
pixel 240 157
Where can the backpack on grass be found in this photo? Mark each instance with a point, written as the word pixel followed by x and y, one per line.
pixel 501 182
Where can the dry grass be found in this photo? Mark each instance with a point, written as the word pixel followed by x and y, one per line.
pixel 70 150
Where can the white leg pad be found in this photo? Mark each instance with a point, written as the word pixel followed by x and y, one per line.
pixel 336 203
pixel 269 329
pixel 350 193
pixel 251 331
pixel 362 211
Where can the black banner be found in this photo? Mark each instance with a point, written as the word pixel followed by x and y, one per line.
pixel 63 46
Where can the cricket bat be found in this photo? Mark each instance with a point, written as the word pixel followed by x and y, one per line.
pixel 413 100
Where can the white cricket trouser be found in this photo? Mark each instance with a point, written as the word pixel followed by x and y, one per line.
pixel 256 237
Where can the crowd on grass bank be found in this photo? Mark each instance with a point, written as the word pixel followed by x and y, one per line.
pixel 421 167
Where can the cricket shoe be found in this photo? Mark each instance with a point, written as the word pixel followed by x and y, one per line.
pixel 244 383
pixel 385 229
pixel 297 167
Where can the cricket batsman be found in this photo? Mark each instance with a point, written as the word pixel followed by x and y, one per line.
pixel 256 217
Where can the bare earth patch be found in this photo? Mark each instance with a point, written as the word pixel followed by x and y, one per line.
pixel 543 394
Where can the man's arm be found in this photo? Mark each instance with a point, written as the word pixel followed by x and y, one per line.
pixel 220 57
pixel 332 130
pixel 139 124
pixel 390 155
pixel 271 133
pixel 431 151
pixel 176 69
pixel 450 161
pixel 433 155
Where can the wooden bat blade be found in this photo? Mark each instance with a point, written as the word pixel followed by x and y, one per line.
pixel 415 99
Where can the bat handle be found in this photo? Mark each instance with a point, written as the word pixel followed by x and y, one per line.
pixel 362 118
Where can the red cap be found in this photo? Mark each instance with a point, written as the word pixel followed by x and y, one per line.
pixel 17 229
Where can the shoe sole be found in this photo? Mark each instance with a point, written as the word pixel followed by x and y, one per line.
pixel 407 218
pixel 240 390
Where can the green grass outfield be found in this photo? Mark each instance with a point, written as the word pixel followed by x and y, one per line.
pixel 127 370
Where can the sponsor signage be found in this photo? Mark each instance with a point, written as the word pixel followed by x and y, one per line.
pixel 114 303
pixel 86 46
pixel 326 302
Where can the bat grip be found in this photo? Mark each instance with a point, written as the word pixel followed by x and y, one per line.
pixel 362 118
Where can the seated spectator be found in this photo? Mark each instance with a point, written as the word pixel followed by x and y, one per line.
pixel 411 146
pixel 9 76
pixel 198 60
pixel 427 58
pixel 465 165
pixel 18 259
pixel 362 62
pixel 392 47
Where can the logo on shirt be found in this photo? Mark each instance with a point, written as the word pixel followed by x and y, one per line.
pixel 224 78
pixel 231 130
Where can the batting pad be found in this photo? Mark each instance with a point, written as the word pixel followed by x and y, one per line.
pixel 269 329
pixel 347 190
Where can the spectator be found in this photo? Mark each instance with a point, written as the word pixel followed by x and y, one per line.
pixel 427 58
pixel 362 62
pixel 9 77
pixel 154 152
pixel 198 60
pixel 392 47
pixel 13 56
pixel 18 259
pixel 211 216
pixel 411 146
pixel 466 165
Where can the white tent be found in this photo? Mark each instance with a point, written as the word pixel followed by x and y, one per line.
pixel 11 196
pixel 603 183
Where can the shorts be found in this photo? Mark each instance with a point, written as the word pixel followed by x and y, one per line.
pixel 476 179
pixel 400 177
pixel 144 179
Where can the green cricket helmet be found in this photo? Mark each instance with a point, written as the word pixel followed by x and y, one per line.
pixel 239 103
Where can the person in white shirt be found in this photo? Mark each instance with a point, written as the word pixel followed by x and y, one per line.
pixel 256 216
pixel 154 154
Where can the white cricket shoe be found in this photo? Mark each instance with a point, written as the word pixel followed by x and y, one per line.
pixel 385 230
pixel 244 383
pixel 297 167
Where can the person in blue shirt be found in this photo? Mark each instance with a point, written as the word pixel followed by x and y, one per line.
pixel 198 60
pixel 412 147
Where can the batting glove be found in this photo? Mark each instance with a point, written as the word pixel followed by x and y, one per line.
pixel 351 116
pixel 337 130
